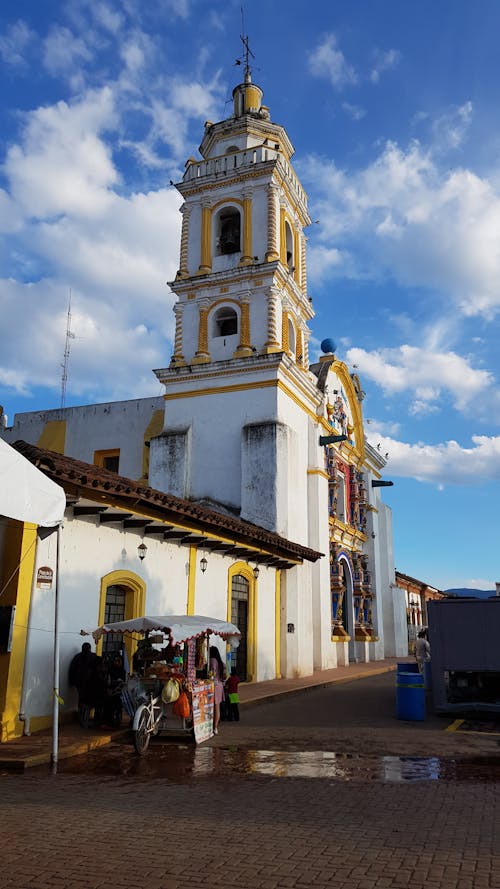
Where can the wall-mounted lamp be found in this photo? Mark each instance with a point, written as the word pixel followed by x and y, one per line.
pixel 290 628
pixel 373 535
pixel 141 551
pixel 256 572
pixel 203 565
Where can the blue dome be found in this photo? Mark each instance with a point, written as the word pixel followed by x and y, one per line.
pixel 328 345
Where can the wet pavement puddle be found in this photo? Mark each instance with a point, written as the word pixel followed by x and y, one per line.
pixel 183 764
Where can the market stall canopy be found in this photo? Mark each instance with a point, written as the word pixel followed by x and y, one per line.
pixel 178 627
pixel 26 494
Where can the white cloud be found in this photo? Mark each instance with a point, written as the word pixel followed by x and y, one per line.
pixel 137 52
pixel 328 62
pixel 62 51
pixel 443 464
pixel 179 8
pixel 323 259
pixel 63 166
pixel 447 130
pixel 109 19
pixel 425 375
pixel 384 61
pixel 403 217
pixel 14 43
pixel 353 111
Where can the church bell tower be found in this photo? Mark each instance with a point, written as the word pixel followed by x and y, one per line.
pixel 239 394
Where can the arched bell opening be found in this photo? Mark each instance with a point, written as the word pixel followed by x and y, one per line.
pixel 227 231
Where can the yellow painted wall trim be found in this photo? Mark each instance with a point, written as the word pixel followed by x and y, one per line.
pixel 342 372
pixel 190 609
pixel 153 429
pixel 277 623
pixel 135 602
pixel 100 456
pixel 244 569
pixel 53 436
pixel 320 472
pixel 226 202
pixel 20 550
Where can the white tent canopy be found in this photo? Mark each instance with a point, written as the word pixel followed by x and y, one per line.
pixel 178 627
pixel 26 494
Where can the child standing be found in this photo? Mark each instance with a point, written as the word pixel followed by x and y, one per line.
pixel 232 690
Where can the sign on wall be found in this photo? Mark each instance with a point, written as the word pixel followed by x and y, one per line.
pixel 44 577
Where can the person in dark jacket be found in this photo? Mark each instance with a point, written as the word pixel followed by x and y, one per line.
pixel 84 675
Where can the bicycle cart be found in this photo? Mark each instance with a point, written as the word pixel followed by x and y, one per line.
pixel 170 690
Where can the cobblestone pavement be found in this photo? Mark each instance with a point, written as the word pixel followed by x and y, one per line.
pixel 65 831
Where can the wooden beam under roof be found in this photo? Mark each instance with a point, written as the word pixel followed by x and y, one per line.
pixel 172 533
pixel 157 529
pixel 108 518
pixel 243 553
pixel 136 523
pixel 216 545
pixel 88 510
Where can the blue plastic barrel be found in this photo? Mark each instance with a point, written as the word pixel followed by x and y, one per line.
pixel 411 667
pixel 410 696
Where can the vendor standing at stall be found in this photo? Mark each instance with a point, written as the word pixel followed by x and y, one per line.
pixel 216 667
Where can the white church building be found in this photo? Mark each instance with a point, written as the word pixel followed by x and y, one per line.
pixel 247 430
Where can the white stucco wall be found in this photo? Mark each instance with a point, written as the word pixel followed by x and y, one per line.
pixel 95 427
pixel 89 552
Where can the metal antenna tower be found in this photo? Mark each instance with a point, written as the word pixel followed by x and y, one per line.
pixel 67 345
pixel 247 52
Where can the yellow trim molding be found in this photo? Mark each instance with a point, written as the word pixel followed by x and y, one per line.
pixel 135 602
pixel 244 569
pixel 191 591
pixel 153 429
pixel 53 436
pixel 18 564
pixel 277 623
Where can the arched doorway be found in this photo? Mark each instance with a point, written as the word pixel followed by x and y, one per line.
pixel 241 611
pixel 122 597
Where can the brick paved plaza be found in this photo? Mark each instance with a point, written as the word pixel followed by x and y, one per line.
pixel 293 796
pixel 76 831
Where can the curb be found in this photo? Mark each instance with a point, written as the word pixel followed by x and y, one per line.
pixel 16 763
pixel 265 699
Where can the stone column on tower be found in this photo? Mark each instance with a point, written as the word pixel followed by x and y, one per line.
pixel 247 255
pixel 206 233
pixel 183 262
pixel 303 268
pixel 178 357
pixel 245 347
pixel 272 344
pixel 202 355
pixel 272 217
pixel 283 231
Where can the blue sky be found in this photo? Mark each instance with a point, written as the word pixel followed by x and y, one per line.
pixel 393 111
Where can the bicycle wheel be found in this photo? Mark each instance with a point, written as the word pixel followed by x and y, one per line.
pixel 142 735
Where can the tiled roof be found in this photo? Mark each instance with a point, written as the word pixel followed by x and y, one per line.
pixel 102 486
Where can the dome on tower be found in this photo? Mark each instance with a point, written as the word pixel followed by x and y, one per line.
pixel 328 346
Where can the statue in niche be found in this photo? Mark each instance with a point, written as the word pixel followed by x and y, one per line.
pixel 336 414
